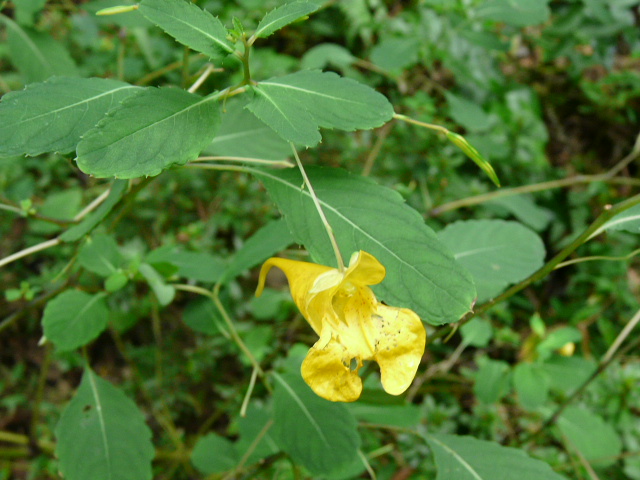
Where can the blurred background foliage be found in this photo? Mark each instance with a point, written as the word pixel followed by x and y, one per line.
pixel 545 90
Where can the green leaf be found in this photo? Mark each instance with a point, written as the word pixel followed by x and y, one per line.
pixel 316 433
pixel 150 131
pixel 214 454
pixel 202 316
pixel 52 116
pixel 94 218
pixel 100 255
pixel 297 105
pixel 557 339
pixel 62 205
pixel 26 10
pixel 241 134
pixel 421 273
pixel 531 383
pixel 518 13
pixel 256 424
pixel 199 266
pixel 524 208
pixel 629 221
pixel 266 242
pixel 74 318
pixel 164 293
pixel 597 440
pixel 37 55
pixel 395 53
pixel 102 435
pixel 492 380
pixel 467 458
pixel 496 252
pixel 116 281
pixel 477 333
pixel 403 416
pixel 282 16
pixel 190 25
pixel 568 373
pixel 467 113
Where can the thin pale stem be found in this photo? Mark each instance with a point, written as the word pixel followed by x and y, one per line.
pixel 547 268
pixel 615 346
pixel 430 126
pixel 316 202
pixel 93 205
pixel 255 161
pixel 247 397
pixel 622 164
pixel 202 78
pixel 213 295
pixel 597 257
pixel 11 208
pixel 536 187
pixel 28 251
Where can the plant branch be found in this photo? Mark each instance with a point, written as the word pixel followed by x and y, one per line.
pixel 604 363
pixel 28 251
pixel 536 187
pixel 316 202
pixel 257 161
pixel 547 268
pixel 213 295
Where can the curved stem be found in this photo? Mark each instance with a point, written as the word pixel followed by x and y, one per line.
pixel 597 257
pixel 257 161
pixel 536 187
pixel 430 126
pixel 316 202
pixel 28 251
pixel 547 268
pixel 213 295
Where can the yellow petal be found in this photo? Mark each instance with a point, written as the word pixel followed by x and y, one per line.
pixel 401 339
pixel 301 276
pixel 326 369
pixel 364 269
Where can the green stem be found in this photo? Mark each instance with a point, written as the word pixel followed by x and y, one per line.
pixel 316 202
pixel 597 257
pixel 213 295
pixel 603 218
pixel 256 161
pixel 536 187
pixel 430 126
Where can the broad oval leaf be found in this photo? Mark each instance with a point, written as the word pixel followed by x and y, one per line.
pixel 531 383
pixel 100 255
pixel 214 454
pixel 596 440
pixel 297 105
pixel 190 25
pixel 283 16
pixel 37 55
pixel 102 435
pixel 319 434
pixel 201 266
pixel 74 318
pixel 467 458
pixel 52 116
pixel 152 130
pixel 496 252
pixel 421 272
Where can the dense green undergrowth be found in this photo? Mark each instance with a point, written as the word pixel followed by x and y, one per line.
pixel 152 159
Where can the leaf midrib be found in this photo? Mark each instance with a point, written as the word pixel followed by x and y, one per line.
pixel 314 92
pixel 304 409
pixel 219 42
pixel 101 420
pixel 150 125
pixel 87 100
pixel 455 454
pixel 357 227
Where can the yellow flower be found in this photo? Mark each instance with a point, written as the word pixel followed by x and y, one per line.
pixel 353 326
